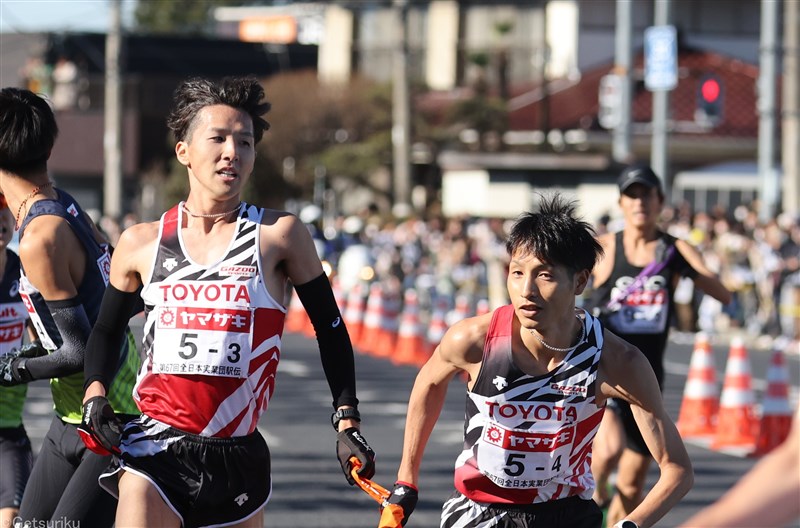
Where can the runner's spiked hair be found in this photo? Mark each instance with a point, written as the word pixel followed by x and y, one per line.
pixel 555 235
pixel 243 93
pixel 28 131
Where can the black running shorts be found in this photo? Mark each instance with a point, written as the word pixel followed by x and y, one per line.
pixel 206 481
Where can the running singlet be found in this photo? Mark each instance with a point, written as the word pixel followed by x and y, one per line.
pixel 68 390
pixel 642 317
pixel 212 337
pixel 12 327
pixel 528 439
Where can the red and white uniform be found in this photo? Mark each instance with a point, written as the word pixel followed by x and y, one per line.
pixel 527 439
pixel 212 336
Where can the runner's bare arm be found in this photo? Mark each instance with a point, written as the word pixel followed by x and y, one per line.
pixel 460 350
pixel 52 257
pixel 626 374
pixel 765 496
pixel 706 280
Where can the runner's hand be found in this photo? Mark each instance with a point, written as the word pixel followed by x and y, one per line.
pixel 401 503
pixel 351 442
pixel 10 372
pixel 100 429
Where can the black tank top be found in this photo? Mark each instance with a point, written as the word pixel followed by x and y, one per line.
pixel 643 317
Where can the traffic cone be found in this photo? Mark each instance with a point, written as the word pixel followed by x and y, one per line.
pixel 296 316
pixel 387 332
pixel 354 313
pixel 338 294
pixel 438 323
pixel 776 412
pixel 410 349
pixel 737 423
pixel 462 309
pixel 700 404
pixel 372 319
pixel 482 307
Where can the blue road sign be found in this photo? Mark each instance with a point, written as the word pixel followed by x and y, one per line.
pixel 660 58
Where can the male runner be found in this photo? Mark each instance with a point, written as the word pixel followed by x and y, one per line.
pixel 214 272
pixel 64 272
pixel 15 447
pixel 633 296
pixel 539 375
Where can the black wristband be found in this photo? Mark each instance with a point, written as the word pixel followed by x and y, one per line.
pixel 344 414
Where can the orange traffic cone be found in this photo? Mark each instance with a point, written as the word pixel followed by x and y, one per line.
pixel 410 349
pixel 482 307
pixel 296 316
pixel 698 415
pixel 776 412
pixel 338 294
pixel 387 333
pixel 372 319
pixel 354 312
pixel 462 309
pixel 438 323
pixel 737 423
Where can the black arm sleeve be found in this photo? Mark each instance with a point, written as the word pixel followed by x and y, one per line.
pixel 103 347
pixel 73 325
pixel 335 348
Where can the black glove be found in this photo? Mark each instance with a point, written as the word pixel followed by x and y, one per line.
pixel 349 443
pixel 399 506
pixel 12 365
pixel 100 429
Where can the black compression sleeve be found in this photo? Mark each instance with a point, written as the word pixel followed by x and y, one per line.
pixel 335 348
pixel 73 325
pixel 103 348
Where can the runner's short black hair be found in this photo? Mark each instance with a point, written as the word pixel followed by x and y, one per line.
pixel 243 93
pixel 28 131
pixel 555 235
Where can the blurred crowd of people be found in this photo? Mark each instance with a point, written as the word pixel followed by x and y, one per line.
pixel 447 257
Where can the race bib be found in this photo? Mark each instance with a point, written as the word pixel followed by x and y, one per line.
pixel 643 311
pixel 513 458
pixel 10 336
pixel 205 341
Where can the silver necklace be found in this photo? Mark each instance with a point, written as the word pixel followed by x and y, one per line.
pixel 535 334
pixel 211 215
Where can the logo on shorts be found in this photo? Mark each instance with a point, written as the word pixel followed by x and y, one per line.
pixel 241 499
pixel 336 322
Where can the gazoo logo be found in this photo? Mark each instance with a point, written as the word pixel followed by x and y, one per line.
pixel 528 411
pixel 568 389
pixel 237 271
pixel 205 292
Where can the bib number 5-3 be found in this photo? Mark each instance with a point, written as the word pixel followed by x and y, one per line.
pixel 188 348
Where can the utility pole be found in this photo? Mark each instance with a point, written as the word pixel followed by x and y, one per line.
pixel 621 144
pixel 401 117
pixel 112 131
pixel 659 149
pixel 791 106
pixel 767 175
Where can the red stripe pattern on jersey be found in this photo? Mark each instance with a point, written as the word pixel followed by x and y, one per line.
pixel 212 335
pixel 527 439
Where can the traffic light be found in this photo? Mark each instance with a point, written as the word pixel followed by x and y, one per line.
pixel 709 101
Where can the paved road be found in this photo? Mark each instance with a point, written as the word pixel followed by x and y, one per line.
pixel 308 488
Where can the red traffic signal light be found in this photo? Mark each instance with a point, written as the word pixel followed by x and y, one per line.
pixel 710 90
pixel 709 101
